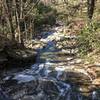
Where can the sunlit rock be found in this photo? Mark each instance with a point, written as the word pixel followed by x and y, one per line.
pixel 96 81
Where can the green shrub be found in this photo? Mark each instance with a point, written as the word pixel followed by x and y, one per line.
pixel 46 15
pixel 43 8
pixel 89 39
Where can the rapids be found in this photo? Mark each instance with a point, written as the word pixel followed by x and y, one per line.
pixel 47 78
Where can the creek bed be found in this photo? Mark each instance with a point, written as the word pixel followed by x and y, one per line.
pixel 52 77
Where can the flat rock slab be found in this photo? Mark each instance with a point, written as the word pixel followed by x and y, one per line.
pixel 21 54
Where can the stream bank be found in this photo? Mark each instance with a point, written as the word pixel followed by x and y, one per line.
pixel 13 52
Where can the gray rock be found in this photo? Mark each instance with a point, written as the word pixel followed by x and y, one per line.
pixel 28 98
pixel 3 96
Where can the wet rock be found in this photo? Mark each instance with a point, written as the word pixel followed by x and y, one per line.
pixel 53 74
pixel 28 98
pixel 40 96
pixel 16 90
pixel 3 96
pixel 48 86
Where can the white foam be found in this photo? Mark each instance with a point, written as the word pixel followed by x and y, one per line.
pixel 60 68
pixel 24 78
pixel 94 95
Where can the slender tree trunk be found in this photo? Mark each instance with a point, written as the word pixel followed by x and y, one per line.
pixel 90 11
pixel 12 28
pixel 90 4
pixel 31 34
pixel 21 20
pixel 25 31
pixel 9 20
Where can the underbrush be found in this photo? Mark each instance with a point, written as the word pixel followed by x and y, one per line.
pixel 46 15
pixel 89 39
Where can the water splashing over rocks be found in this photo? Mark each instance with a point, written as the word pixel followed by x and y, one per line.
pixel 54 76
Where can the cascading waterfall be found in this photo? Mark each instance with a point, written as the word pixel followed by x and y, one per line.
pixel 45 72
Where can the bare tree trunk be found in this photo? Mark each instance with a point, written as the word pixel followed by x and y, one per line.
pixel 90 5
pixel 67 16
pixel 18 20
pixel 9 18
pixel 90 11
pixel 1 18
pixel 25 31
pixel 31 35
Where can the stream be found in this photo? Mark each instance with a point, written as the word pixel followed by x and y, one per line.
pixel 49 78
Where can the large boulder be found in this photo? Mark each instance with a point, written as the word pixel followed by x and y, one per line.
pixel 21 54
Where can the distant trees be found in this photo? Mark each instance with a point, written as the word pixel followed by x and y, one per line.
pixel 19 18
pixel 77 6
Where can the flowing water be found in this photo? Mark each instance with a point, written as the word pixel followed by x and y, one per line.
pixel 47 78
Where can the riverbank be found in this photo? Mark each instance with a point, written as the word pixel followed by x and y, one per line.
pixel 13 52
